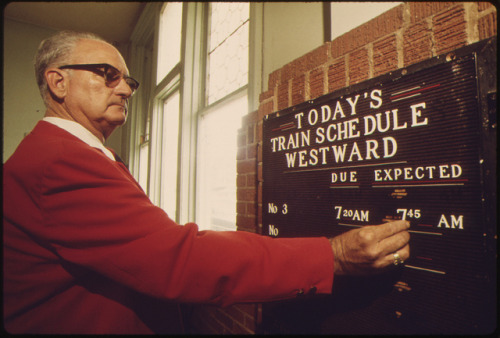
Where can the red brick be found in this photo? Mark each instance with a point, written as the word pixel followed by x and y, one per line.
pixel 274 79
pixel 259 135
pixel 252 151
pixel 248 309
pixel 241 208
pixel 234 314
pixel 224 319
pixel 266 95
pixel 315 58
pixel 241 138
pixel 259 149
pixel 283 96
pixel 250 134
pixel 316 83
pixel 245 223
pixel 241 181
pixel 482 6
pixel 347 42
pixel 240 329
pixel 246 194
pixel 385 55
pixel 241 153
pixel 213 320
pixel 251 209
pixel 338 46
pixel 298 89
pixel 203 321
pixel 417 43
pixel 288 71
pixel 259 218
pixel 259 172
pixel 212 326
pixel 449 29
pixel 488 26
pixel 250 118
pixel 265 108
pixel 252 179
pixel 368 32
pixel 421 10
pixel 386 23
pixel 336 75
pixel 358 66
pixel 245 166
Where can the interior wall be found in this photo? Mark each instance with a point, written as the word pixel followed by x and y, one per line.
pixel 348 15
pixel 22 103
pixel 290 30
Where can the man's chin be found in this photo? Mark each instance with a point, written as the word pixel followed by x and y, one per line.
pixel 118 119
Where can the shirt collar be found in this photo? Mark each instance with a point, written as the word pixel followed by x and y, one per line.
pixel 81 132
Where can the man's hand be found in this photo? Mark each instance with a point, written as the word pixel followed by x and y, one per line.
pixel 371 248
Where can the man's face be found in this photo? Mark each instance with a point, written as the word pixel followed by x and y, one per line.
pixel 89 101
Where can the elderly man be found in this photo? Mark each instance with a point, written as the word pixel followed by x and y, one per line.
pixel 85 251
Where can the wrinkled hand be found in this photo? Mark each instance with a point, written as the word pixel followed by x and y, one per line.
pixel 370 249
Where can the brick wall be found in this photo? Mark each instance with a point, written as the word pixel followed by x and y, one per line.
pixel 404 35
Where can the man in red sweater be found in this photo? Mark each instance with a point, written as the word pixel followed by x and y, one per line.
pixel 85 251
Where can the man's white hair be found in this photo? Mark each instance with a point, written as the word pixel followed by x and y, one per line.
pixel 55 52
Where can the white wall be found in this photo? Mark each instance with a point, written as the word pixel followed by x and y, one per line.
pixel 291 29
pixel 23 106
pixel 348 15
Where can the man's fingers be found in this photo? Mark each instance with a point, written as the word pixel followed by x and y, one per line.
pixel 388 229
pixel 402 254
pixel 362 250
pixel 395 242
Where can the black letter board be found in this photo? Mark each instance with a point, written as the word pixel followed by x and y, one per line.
pixel 408 145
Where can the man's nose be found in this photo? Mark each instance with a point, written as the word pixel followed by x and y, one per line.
pixel 124 89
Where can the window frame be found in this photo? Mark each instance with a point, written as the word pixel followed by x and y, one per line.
pixel 189 78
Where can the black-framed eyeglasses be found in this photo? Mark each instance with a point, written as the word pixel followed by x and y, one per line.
pixel 112 76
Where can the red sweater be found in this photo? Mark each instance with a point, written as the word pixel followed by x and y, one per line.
pixel 85 251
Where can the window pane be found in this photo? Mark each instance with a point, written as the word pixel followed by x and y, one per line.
pixel 169 42
pixel 143 165
pixel 217 165
pixel 228 49
pixel 225 19
pixel 169 156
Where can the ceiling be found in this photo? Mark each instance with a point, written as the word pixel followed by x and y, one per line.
pixel 114 21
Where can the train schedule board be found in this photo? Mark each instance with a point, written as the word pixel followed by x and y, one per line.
pixel 407 147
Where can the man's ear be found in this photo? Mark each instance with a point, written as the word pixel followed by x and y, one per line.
pixel 57 83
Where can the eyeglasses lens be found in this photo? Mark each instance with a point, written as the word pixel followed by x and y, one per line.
pixel 132 84
pixel 113 77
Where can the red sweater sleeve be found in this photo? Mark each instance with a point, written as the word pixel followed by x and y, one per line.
pixel 95 216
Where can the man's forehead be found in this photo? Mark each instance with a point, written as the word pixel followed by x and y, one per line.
pixel 95 51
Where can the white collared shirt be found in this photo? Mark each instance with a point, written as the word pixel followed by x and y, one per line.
pixel 81 132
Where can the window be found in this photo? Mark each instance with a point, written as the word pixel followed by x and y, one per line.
pixel 165 123
pixel 170 154
pixel 144 159
pixel 199 96
pixel 217 165
pixel 228 49
pixel 227 99
pixel 169 42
